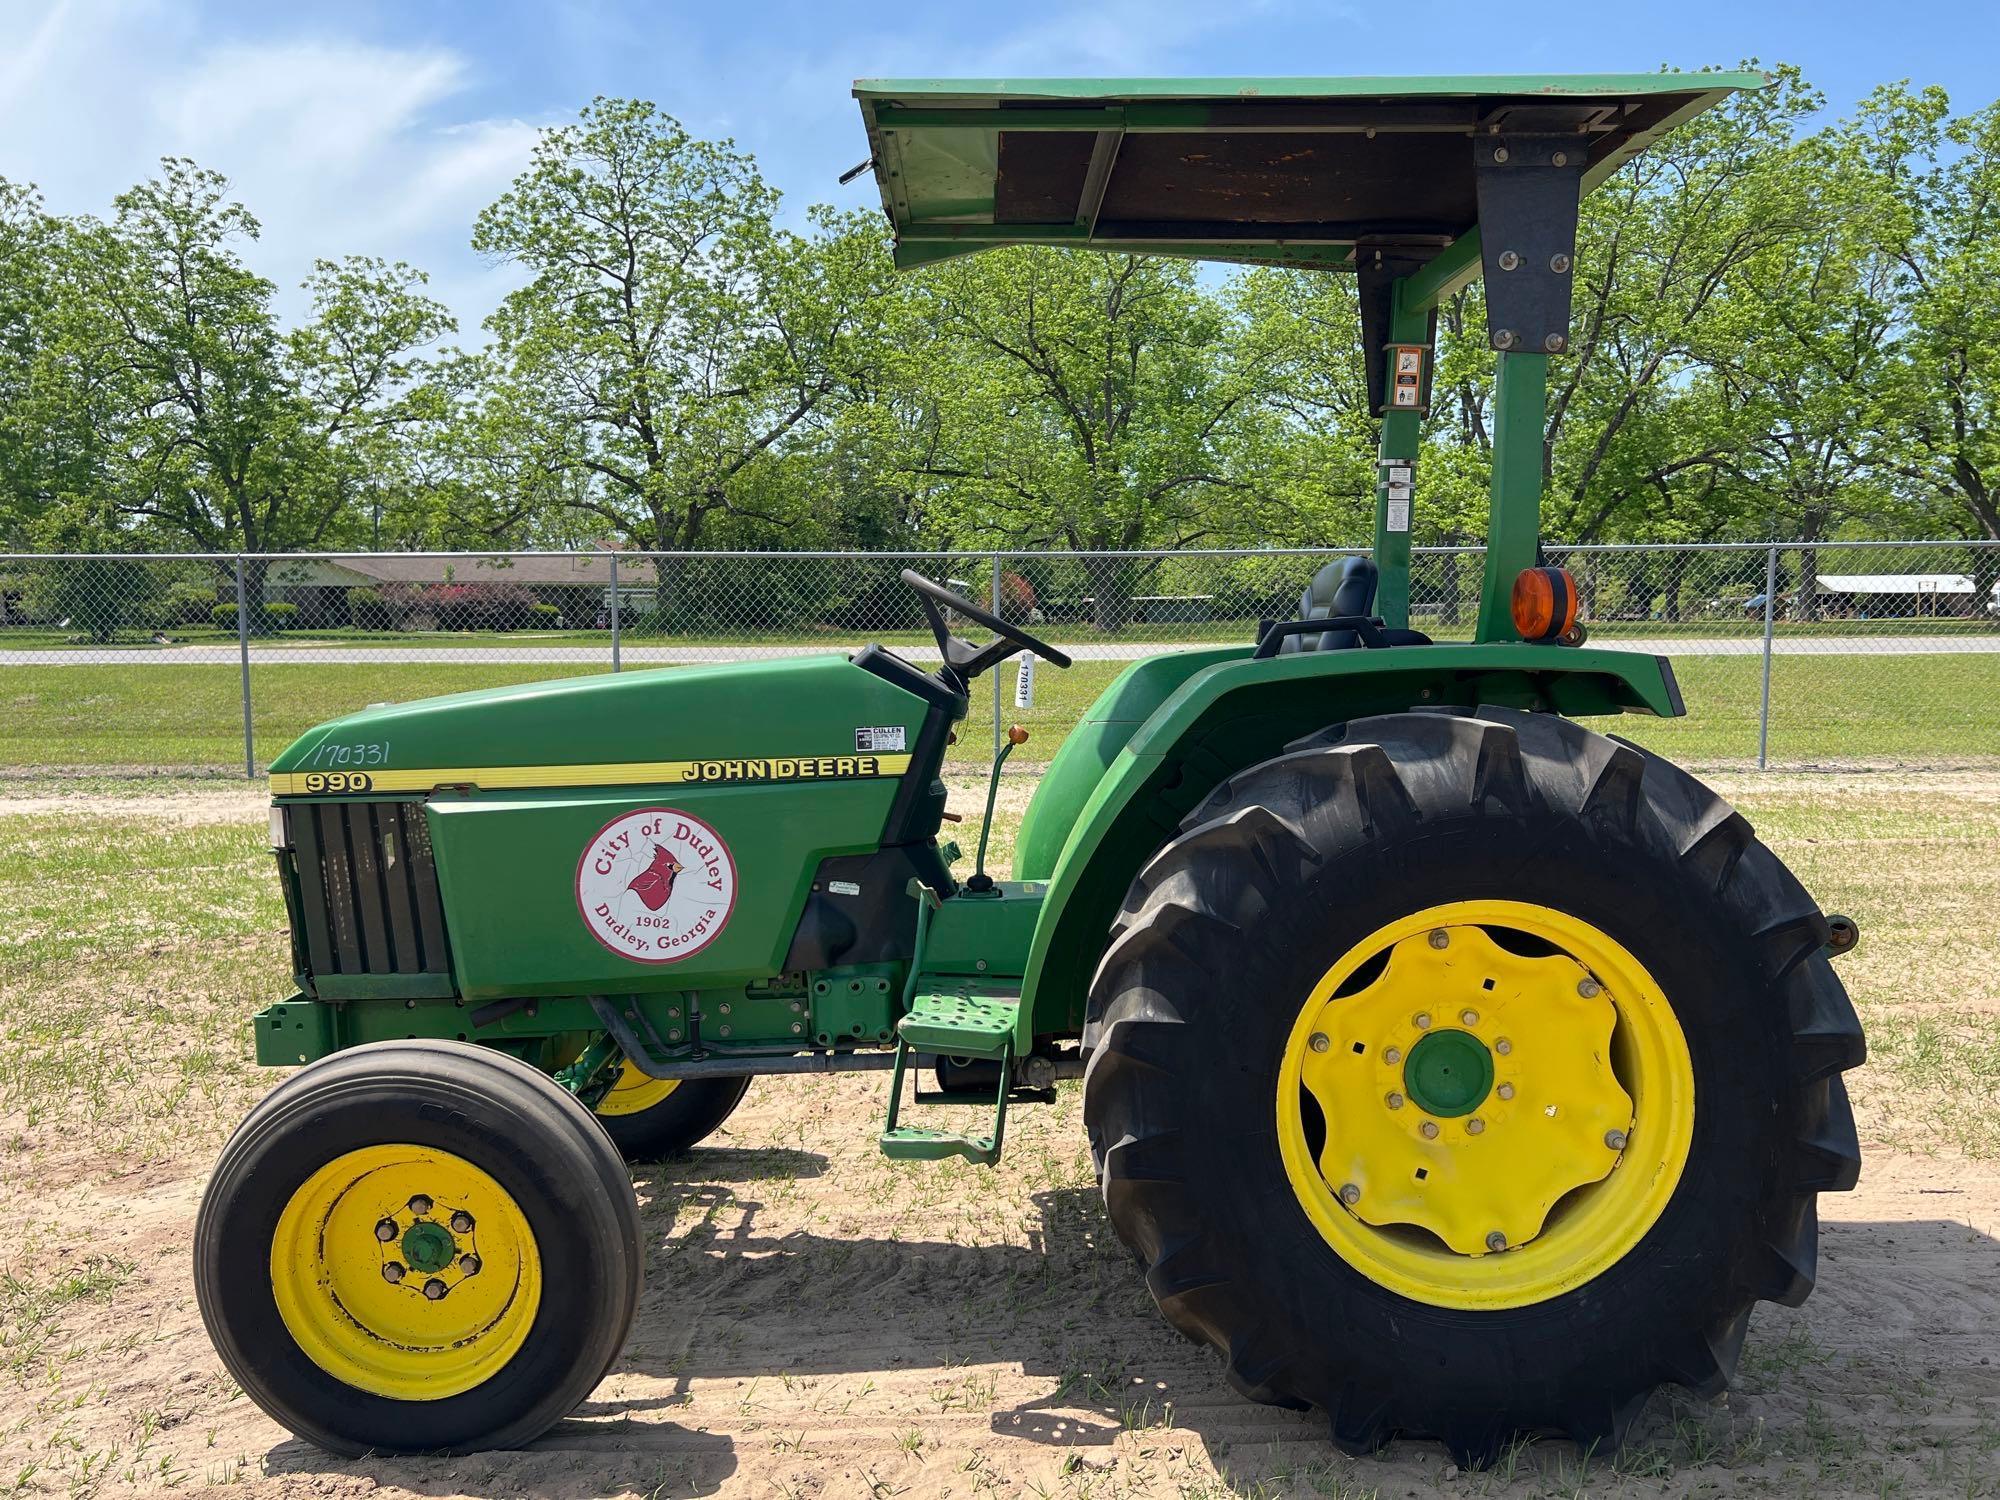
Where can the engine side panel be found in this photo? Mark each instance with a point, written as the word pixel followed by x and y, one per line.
pixel 689 887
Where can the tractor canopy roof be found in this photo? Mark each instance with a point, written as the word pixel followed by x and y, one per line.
pixel 1282 171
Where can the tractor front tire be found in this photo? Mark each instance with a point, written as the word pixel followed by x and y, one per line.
pixel 1469 1074
pixel 652 1118
pixel 418 1246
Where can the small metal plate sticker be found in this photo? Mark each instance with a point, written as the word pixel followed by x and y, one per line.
pixel 880 737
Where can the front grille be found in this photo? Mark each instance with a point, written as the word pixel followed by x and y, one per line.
pixel 367 887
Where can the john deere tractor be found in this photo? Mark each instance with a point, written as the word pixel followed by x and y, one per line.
pixel 1449 1066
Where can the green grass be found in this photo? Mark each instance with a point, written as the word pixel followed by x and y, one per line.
pixel 134 950
pixel 1907 709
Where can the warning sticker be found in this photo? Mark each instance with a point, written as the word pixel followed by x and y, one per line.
pixel 879 737
pixel 1407 391
pixel 1399 515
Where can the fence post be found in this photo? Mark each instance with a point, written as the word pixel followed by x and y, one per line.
pixel 243 657
pixel 615 664
pixel 1770 610
pixel 993 677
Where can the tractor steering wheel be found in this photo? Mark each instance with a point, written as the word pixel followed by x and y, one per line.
pixel 960 656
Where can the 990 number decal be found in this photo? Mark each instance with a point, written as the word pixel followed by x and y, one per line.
pixel 337 781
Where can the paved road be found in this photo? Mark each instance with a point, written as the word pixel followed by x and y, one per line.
pixel 668 655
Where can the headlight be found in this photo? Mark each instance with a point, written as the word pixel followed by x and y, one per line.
pixel 278 839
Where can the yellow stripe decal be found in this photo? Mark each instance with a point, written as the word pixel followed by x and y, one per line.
pixel 721 772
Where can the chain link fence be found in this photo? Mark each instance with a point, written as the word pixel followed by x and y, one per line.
pixel 1788 653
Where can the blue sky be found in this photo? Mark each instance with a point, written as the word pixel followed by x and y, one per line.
pixel 382 127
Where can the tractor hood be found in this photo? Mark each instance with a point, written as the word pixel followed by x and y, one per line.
pixel 794 719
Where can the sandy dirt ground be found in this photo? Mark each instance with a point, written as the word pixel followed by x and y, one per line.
pixel 820 1322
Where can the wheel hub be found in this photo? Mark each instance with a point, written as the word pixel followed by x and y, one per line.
pixel 1448 1073
pixel 1467 1088
pixel 428 1246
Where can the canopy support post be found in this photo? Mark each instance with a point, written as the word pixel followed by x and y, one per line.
pixel 1391 328
pixel 1513 526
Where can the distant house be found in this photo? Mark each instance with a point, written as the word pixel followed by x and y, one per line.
pixel 413 591
pixel 534 569
pixel 1903 595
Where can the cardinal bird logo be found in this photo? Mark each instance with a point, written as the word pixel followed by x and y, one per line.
pixel 655 883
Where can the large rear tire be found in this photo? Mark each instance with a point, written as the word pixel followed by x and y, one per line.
pixel 1469 1074
pixel 415 1246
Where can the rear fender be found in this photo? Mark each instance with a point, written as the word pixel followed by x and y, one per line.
pixel 1236 711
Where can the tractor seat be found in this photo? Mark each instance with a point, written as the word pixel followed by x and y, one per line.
pixel 1345 586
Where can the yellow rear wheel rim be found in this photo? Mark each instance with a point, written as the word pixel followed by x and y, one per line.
pixel 1474 1121
pixel 634 1092
pixel 406 1272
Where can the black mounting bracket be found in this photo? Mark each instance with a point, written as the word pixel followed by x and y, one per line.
pixel 1376 272
pixel 1528 188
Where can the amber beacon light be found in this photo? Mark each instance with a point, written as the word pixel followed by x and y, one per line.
pixel 1544 603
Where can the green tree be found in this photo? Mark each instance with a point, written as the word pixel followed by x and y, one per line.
pixel 671 337
pixel 1311 438
pixel 1938 182
pixel 1087 402
pixel 1659 246
pixel 235 434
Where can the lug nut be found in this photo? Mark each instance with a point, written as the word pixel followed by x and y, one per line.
pixel 1496 1241
pixel 1505 1091
pixel 1470 1017
pixel 1395 1101
pixel 1422 1020
pixel 1590 989
pixel 393 1272
pixel 1615 1139
pixel 385 1230
pixel 1392 1055
pixel 1440 938
pixel 434 1290
pixel 1474 1125
pixel 469 1264
pixel 420 1205
pixel 1503 1046
pixel 1350 1194
pixel 1320 1041
pixel 461 1222
pixel 1428 1130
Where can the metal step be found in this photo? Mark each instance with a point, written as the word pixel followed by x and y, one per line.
pixel 952 1024
pixel 957 1024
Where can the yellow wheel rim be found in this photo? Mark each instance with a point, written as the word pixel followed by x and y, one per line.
pixel 634 1092
pixel 1482 1123
pixel 406 1272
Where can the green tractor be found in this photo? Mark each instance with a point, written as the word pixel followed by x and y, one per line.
pixel 1448 1066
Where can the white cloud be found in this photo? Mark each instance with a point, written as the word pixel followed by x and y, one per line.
pixel 337 146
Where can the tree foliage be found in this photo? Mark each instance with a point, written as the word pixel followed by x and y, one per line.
pixel 1784 324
